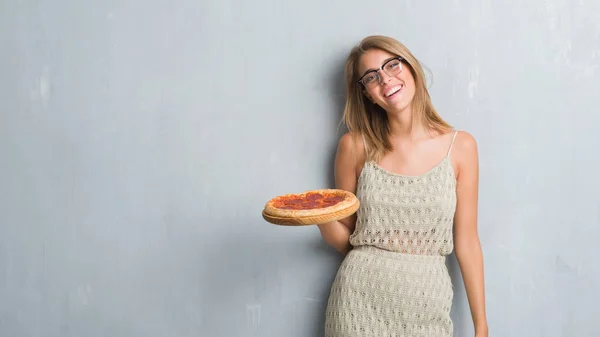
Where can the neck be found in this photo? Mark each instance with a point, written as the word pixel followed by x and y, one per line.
pixel 401 125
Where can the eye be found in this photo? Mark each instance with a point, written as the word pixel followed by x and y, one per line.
pixel 393 64
pixel 370 78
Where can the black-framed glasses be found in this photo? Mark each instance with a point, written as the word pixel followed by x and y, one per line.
pixel 391 67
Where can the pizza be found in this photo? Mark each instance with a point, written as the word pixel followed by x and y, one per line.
pixel 311 203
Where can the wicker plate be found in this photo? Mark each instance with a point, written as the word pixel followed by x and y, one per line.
pixel 312 220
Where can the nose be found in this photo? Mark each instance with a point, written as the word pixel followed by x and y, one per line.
pixel 383 77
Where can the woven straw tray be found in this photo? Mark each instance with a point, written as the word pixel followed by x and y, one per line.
pixel 312 220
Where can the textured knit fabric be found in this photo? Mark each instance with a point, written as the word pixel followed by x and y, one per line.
pixel 394 282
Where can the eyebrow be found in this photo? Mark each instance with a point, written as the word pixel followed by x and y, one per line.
pixel 372 69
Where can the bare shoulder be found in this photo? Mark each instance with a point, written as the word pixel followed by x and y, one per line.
pixel 346 152
pixel 351 143
pixel 346 142
pixel 465 143
pixel 465 152
pixel 351 152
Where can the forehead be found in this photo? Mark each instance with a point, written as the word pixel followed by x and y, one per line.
pixel 373 59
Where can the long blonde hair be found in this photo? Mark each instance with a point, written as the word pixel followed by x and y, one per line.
pixel 370 120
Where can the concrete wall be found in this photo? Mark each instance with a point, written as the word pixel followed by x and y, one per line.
pixel 139 141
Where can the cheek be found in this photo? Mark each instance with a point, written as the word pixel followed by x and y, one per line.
pixel 373 94
pixel 407 78
pixel 410 83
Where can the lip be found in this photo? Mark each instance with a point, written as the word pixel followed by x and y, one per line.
pixel 396 93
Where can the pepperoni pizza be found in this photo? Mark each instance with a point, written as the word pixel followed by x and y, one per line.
pixel 314 203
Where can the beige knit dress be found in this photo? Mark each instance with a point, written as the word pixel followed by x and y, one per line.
pixel 394 282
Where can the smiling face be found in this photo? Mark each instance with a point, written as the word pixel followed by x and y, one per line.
pixel 393 93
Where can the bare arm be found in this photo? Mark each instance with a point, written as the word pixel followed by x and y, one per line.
pixel 337 233
pixel 466 237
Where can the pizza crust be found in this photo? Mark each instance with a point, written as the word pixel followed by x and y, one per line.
pixel 349 201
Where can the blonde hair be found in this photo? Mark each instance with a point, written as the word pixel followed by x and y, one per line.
pixel 370 120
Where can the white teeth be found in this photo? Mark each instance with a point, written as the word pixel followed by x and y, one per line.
pixel 393 91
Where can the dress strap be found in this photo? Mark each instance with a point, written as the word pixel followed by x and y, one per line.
pixel 452 143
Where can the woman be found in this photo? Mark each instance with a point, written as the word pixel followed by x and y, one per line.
pixel 417 180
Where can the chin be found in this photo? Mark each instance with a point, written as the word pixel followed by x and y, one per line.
pixel 400 107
